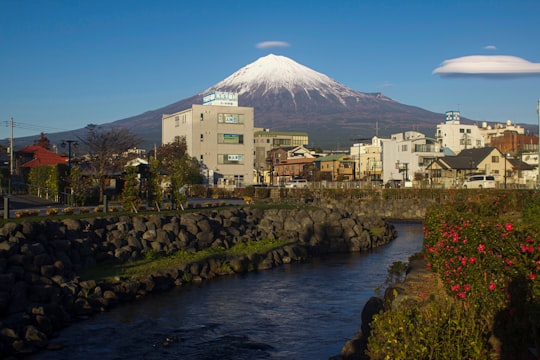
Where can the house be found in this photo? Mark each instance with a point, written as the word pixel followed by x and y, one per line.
pixel 335 167
pixel 266 140
pixel 451 171
pixel 34 156
pixel 284 164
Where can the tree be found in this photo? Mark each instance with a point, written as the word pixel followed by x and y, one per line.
pixel 130 198
pixel 168 153
pixel 80 186
pixel 43 141
pixel 153 183
pixel 105 148
pixel 185 171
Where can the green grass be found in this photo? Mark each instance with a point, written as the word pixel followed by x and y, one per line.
pixel 154 263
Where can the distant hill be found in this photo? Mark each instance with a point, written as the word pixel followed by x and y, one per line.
pixel 287 96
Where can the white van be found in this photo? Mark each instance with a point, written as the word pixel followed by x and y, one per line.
pixel 297 184
pixel 480 182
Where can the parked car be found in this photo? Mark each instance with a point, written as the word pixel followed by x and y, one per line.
pixel 480 182
pixel 297 184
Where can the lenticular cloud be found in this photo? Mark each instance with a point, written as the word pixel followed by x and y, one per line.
pixel 272 44
pixel 487 66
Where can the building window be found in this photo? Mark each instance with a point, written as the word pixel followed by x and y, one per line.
pixel 235 159
pixel 436 173
pixel 230 138
pixel 177 121
pixel 403 147
pixel 202 116
pixel 462 131
pixel 494 159
pixel 201 157
pixel 231 118
pixel 202 137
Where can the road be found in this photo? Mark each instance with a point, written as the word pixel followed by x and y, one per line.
pixel 32 202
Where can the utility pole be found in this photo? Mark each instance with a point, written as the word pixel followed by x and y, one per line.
pixel 538 113
pixel 11 148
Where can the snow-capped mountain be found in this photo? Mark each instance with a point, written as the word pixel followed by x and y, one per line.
pixel 288 96
pixel 274 75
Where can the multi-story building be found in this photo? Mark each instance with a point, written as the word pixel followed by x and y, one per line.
pixel 456 136
pixel 367 158
pixel 285 164
pixel 266 140
pixel 335 167
pixel 405 156
pixel 219 134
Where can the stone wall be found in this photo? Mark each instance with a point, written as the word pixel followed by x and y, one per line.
pixel 41 291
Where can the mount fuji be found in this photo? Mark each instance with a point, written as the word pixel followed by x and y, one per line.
pixel 288 96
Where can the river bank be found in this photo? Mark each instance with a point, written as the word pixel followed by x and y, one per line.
pixel 41 291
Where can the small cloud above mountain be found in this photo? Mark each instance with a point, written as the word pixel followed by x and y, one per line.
pixel 490 47
pixel 487 66
pixel 272 44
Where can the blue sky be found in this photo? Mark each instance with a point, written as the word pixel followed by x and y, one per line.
pixel 66 64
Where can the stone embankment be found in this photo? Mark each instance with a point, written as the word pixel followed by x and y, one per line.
pixel 417 281
pixel 41 291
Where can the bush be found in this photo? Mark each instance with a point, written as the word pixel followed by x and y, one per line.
pixel 486 252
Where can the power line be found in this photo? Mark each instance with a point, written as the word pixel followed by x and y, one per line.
pixel 28 126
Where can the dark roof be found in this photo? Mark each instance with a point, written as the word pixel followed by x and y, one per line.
pixel 517 164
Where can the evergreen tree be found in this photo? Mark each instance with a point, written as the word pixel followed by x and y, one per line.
pixel 130 197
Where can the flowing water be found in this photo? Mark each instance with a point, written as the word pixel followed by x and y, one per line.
pixel 296 311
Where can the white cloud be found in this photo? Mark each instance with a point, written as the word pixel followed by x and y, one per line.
pixel 272 44
pixel 488 66
pixel 386 84
pixel 490 47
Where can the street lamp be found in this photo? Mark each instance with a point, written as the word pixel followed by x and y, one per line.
pixel 69 143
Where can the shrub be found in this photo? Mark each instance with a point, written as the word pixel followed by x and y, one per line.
pixel 51 211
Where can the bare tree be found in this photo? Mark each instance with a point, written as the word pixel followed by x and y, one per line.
pixel 105 148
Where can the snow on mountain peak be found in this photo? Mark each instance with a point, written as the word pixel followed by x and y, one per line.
pixel 276 73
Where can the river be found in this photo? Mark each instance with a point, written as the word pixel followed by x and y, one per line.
pixel 296 311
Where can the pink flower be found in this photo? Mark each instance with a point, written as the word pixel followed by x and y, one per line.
pixel 508 227
pixel 481 248
pixel 492 286
pixel 467 287
pixel 455 287
pixel 472 259
pixel 464 261
pixel 461 295
pixel 532 276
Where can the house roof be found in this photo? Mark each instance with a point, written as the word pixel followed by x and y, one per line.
pixel 41 156
pixel 333 157
pixel 521 165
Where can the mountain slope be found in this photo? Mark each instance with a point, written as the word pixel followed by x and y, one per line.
pixel 287 96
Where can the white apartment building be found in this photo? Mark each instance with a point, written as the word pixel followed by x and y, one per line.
pixel 491 131
pixel 456 136
pixel 219 134
pixel 406 155
pixel 367 158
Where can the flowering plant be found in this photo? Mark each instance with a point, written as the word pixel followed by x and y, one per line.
pixel 488 260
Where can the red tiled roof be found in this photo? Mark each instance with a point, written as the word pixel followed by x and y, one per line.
pixel 42 156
